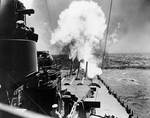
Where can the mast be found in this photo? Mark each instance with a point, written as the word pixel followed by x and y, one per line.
pixel 106 36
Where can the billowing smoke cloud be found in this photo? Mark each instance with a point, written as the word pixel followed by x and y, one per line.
pixel 81 27
pixel 133 16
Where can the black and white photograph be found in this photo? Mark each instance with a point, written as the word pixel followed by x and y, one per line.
pixel 74 58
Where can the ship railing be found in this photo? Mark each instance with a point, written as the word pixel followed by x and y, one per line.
pixel 72 112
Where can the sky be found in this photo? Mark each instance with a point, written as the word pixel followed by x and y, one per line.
pixel 130 23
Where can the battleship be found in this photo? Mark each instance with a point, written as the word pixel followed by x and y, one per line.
pixel 33 83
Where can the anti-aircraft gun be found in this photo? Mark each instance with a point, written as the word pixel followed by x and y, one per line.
pixel 21 84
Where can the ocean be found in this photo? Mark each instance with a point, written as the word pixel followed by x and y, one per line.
pixel 128 60
pixel 130 79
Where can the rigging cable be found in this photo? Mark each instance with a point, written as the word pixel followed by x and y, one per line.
pixel 106 38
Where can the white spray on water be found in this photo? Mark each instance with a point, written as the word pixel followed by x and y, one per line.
pixel 81 26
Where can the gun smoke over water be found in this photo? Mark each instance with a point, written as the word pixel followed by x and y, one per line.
pixel 81 27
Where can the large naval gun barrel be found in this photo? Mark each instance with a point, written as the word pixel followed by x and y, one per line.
pixel 18 56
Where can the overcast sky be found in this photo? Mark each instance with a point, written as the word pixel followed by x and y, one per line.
pixel 132 17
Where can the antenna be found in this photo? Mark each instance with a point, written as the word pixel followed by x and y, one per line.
pixel 106 38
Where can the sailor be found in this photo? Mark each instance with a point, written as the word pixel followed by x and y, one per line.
pixel 54 113
pixel 20 31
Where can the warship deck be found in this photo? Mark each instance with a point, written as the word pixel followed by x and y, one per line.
pixel 108 103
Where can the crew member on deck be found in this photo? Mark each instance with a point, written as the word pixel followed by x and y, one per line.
pixel 54 113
